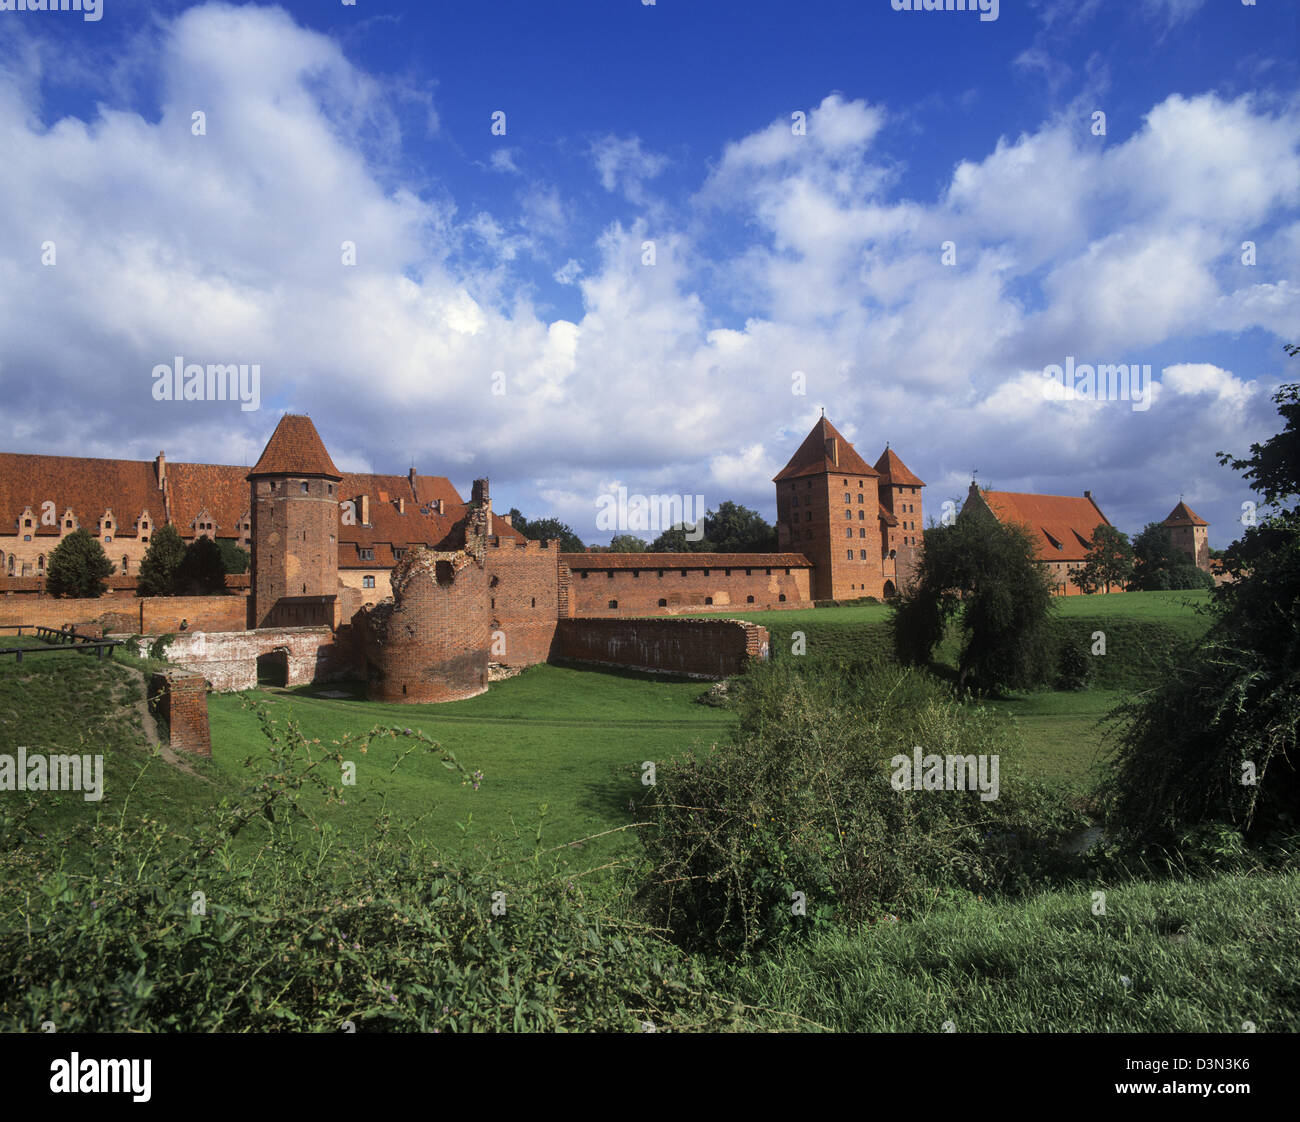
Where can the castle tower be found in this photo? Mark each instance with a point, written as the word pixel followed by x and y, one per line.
pixel 828 508
pixel 1190 534
pixel 900 495
pixel 295 505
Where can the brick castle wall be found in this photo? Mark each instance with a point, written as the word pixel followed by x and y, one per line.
pixel 181 699
pixel 707 648
pixel 430 642
pixel 523 600
pixel 295 532
pixel 638 592
pixel 149 615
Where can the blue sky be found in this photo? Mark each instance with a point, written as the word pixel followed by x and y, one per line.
pixel 671 123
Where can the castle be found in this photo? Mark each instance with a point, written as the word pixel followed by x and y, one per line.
pixel 422 591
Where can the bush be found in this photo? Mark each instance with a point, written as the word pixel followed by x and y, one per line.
pixel 198 932
pixel 78 567
pixel 1073 667
pixel 803 803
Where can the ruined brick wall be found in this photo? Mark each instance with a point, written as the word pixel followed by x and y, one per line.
pixel 594 592
pixel 523 600
pixel 706 648
pixel 430 642
pixel 180 698
pixel 228 660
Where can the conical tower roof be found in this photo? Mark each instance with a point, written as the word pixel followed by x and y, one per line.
pixel 889 464
pixel 295 448
pixel 824 451
pixel 1184 515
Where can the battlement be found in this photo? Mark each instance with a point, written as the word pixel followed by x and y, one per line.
pixel 495 542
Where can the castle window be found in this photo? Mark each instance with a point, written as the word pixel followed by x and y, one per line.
pixel 613 603
pixel 331 489
pixel 808 517
pixel 610 574
pixel 782 598
pixel 850 555
pixel 860 484
pixel 661 573
pixel 847 497
pixel 304 488
pixel 810 484
pixel 787 572
pixel 533 603
pixel 708 600
pixel 40 563
pixel 584 574
pixel 767 572
pixel 125 563
pixel 793 502
pixel 727 572
pixel 859 498
pixel 493 603
pixel 861 514
pixel 367 555
pixel 749 599
pixel 849 513
pixel 706 572
pixel 367 582
pixel 747 572
pixel 636 573
pixel 27 537
pixel 862 531
pixel 848 531
pixel 862 554
pixel 27 522
pixel 846 483
pixel 663 603
pixel 683 572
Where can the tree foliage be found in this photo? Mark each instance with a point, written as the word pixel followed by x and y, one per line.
pixel 202 571
pixel 1109 561
pixel 234 557
pixel 78 567
pixel 161 561
pixel 985 574
pixel 1217 741
pixel 731 528
pixel 546 529
pixel 1159 566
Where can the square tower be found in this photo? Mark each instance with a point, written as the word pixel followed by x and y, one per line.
pixel 1190 534
pixel 295 505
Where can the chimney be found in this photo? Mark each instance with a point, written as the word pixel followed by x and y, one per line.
pixel 160 470
pixel 411 477
pixel 833 451
pixel 365 510
pixel 437 505
pixel 1087 494
pixel 401 505
pixel 506 518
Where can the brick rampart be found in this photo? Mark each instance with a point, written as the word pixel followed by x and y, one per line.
pixel 705 648
pixel 663 591
pixel 228 660
pixel 523 600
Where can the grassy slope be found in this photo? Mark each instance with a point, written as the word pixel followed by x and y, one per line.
pixel 1200 956
pixel 568 738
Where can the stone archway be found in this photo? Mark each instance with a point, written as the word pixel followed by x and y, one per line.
pixel 273 667
pixel 890 590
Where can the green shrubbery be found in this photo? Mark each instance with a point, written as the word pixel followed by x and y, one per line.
pixel 157 930
pixel 802 803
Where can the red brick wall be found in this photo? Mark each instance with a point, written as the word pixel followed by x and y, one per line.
pixel 638 592
pixel 710 648
pixel 430 642
pixel 181 699
pixel 163 614
pixel 523 600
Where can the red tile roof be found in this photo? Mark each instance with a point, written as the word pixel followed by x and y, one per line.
pixel 87 487
pixel 1061 525
pixel 686 560
pixel 887 518
pixel 890 465
pixel 814 455
pixel 1184 515
pixel 295 448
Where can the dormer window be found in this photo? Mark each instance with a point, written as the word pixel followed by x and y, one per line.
pixel 367 555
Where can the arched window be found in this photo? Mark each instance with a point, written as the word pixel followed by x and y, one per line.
pixel 848 531
pixel 861 514
pixel 126 564
pixel 862 531
pixel 794 501
pixel 40 562
pixel 860 498
pixel 749 599
pixel 849 514
pixel 847 497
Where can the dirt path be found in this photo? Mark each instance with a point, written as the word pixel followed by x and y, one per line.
pixel 151 728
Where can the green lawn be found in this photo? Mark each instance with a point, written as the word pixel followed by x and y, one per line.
pixel 569 739
pixel 1061 733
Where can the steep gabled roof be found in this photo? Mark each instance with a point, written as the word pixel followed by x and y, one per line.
pixel 814 455
pixel 1061 525
pixel 295 448
pixel 890 465
pixel 1184 515
pixel 86 487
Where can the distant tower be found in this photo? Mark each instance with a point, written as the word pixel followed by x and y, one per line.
pixel 828 509
pixel 295 504
pixel 900 495
pixel 1190 534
